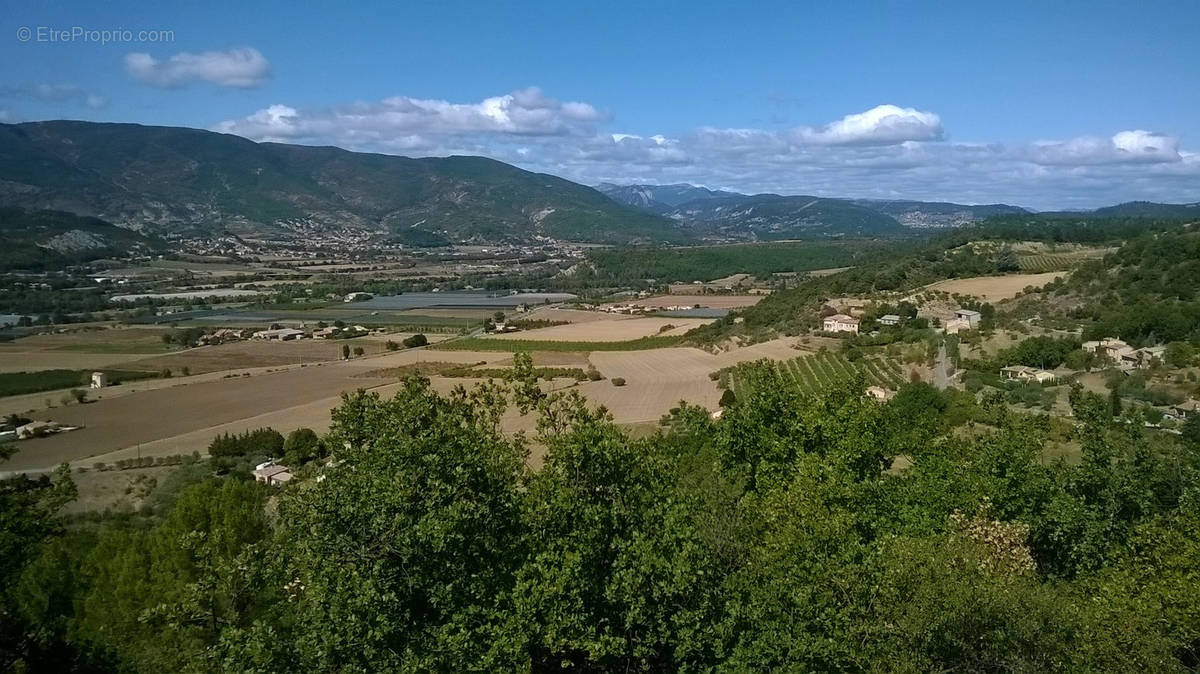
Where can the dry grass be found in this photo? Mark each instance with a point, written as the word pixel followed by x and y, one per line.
pixel 993 288
pixel 80 350
pixel 253 353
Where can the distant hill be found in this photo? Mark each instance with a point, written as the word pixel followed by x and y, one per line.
pixel 1149 209
pixel 938 213
pixel 178 181
pixel 771 216
pixel 659 198
pixel 37 240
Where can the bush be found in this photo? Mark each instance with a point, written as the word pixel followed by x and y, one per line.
pixel 618 381
pixel 392 346
pixel 415 341
pixel 727 398
pixel 593 374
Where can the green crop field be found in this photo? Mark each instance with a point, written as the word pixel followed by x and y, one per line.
pixel 823 370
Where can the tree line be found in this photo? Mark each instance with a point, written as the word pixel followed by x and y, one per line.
pixel 798 532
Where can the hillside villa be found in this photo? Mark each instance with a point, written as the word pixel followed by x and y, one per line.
pixel 1124 356
pixel 1024 373
pixel 840 323
pixel 1184 410
pixel 272 473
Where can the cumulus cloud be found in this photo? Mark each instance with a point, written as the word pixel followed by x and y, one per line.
pixel 887 152
pixel 56 93
pixel 881 125
pixel 413 122
pixel 239 68
pixel 1125 147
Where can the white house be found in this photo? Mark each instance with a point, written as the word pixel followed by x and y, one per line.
pixel 99 380
pixel 889 319
pixel 879 393
pixel 272 473
pixel 970 316
pixel 840 323
pixel 1023 373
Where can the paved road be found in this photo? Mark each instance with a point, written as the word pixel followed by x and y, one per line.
pixel 941 369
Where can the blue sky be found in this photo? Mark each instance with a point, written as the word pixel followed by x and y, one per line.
pixel 1065 104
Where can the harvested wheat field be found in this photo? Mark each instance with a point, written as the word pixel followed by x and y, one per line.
pixel 13 360
pixel 994 288
pixel 608 331
pixel 655 381
pixel 81 349
pixel 184 415
pixel 256 353
pixel 126 421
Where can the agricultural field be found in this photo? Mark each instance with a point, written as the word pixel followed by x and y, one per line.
pixel 993 288
pixel 81 349
pixel 707 301
pixel 258 353
pixel 1051 261
pixel 623 330
pixel 823 370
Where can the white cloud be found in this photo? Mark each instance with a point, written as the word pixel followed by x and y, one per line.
pixel 1136 147
pixel 56 93
pixel 414 121
pixel 881 125
pixel 240 68
pixel 886 152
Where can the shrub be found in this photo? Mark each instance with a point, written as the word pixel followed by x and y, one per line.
pixel 415 341
pixel 727 398
pixel 392 346
pixel 618 381
pixel 593 374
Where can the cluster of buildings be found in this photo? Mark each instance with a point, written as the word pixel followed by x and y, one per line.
pixel 222 336
pixel 279 334
pixel 1124 356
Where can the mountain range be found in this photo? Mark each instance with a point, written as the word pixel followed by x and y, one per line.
pixel 770 216
pixel 176 182
pixel 187 182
